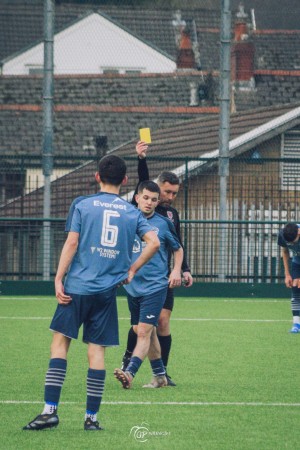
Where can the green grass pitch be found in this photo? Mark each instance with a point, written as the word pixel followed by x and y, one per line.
pixel 234 362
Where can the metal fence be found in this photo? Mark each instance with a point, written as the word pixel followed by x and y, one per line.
pixel 251 250
pixel 262 195
pixel 258 189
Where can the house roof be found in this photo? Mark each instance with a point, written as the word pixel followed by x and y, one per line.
pixel 277 49
pixel 116 106
pixel 86 107
pixel 196 138
pixel 272 14
pixel 21 25
pixel 93 41
pixel 199 138
pixel 202 134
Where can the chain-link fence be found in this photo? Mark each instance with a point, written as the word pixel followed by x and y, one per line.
pixel 258 189
pixel 259 201
pixel 251 250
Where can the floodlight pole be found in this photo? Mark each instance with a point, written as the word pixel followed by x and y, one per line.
pixel 224 132
pixel 47 131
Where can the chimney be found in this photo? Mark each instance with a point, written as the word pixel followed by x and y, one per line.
pixel 185 57
pixel 242 53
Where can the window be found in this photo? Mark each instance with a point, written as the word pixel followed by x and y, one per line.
pixel 35 69
pixel 110 71
pixel 290 170
pixel 133 72
pixel 11 185
pixel 122 70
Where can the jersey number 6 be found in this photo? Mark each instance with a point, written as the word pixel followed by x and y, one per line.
pixel 109 235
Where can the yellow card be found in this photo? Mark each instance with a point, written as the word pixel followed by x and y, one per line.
pixel 145 135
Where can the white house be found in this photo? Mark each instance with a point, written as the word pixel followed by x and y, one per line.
pixel 94 44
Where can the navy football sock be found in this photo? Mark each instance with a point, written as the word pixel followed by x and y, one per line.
pixel 134 365
pixel 157 367
pixel 131 341
pixel 95 386
pixel 55 378
pixel 165 345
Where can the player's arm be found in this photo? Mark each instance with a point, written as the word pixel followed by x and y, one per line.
pixel 186 271
pixel 143 173
pixel 178 253
pixel 152 246
pixel 187 278
pixel 286 258
pixel 67 254
pixel 175 275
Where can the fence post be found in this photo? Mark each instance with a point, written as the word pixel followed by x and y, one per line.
pixel 22 169
pixel 186 199
pixel 48 129
pixel 224 132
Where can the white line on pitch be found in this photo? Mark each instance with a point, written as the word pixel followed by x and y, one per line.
pixel 179 299
pixel 21 402
pixel 206 319
pixel 26 299
pixel 25 318
pixel 182 319
pixel 229 300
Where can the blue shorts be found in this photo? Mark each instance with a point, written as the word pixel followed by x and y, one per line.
pixel 295 272
pixel 147 308
pixel 98 314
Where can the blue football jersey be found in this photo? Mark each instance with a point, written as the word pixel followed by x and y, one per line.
pixel 107 226
pixel 153 276
pixel 293 247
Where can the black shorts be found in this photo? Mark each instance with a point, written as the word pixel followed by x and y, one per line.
pixel 169 302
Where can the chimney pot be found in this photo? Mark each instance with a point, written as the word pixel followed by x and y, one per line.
pixel 186 57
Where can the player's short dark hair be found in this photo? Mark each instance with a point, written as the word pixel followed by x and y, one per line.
pixel 112 169
pixel 168 177
pixel 290 231
pixel 149 185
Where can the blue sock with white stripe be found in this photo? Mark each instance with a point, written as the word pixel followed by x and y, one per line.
pixel 134 365
pixel 95 386
pixel 55 378
pixel 158 368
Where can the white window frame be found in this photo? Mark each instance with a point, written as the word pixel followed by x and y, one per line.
pixel 290 148
pixel 122 70
pixel 37 69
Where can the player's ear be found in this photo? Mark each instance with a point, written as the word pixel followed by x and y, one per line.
pixel 136 197
pixel 125 180
pixel 97 177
